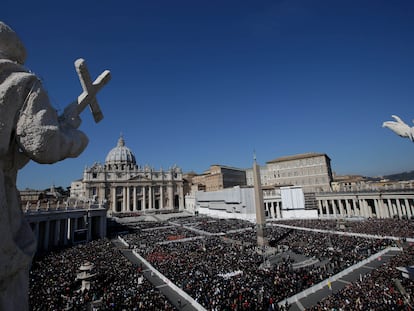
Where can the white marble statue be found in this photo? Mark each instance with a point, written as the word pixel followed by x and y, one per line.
pixel 30 129
pixel 400 128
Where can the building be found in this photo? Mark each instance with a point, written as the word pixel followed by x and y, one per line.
pixel 57 224
pixel 233 202
pixel 127 187
pixel 239 202
pixel 219 177
pixel 311 171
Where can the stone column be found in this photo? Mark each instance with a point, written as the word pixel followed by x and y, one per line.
pixel 36 230
pixel 407 208
pixel 361 207
pixel 161 196
pixel 57 233
pixel 171 195
pixel 134 193
pixel 354 205
pixel 102 229
pixel 348 208
pixel 69 228
pixel 341 208
pixel 278 213
pixel 66 231
pixel 320 208
pixel 181 197
pixel 390 209
pixel 150 198
pixel 377 209
pixel 128 200
pixel 124 197
pixel 326 204
pixel 399 207
pixel 384 209
pixel 114 199
pixel 47 235
pixel 144 198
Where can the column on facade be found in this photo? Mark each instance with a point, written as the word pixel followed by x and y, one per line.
pixel 171 195
pixel 397 201
pixel 57 233
pixel 407 208
pixel 47 235
pixel 384 209
pixel 128 198
pixel 361 208
pixel 65 230
pixel 354 206
pixel 150 197
pixel 161 196
pixel 378 210
pixel 180 197
pixel 390 208
pixel 69 228
pixel 144 197
pixel 102 229
pixel 124 197
pixel 278 213
pixel 89 222
pixel 341 208
pixel 334 208
pixel 134 200
pixel 320 208
pixel 36 230
pixel 325 203
pixel 114 199
pixel 348 208
pixel 368 208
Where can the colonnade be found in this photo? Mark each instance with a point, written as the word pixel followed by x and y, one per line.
pixel 56 228
pixel 133 198
pixel 397 205
pixel 273 209
pixel 394 204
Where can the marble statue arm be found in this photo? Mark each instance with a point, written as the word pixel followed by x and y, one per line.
pixel 400 128
pixel 44 136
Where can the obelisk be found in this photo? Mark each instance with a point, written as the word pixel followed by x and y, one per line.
pixel 259 204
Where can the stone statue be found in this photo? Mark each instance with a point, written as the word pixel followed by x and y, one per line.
pixel 400 128
pixel 30 129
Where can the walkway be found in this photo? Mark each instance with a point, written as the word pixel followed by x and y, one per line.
pixel 177 299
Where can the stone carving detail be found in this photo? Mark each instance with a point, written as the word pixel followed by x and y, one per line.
pixel 30 129
pixel 400 128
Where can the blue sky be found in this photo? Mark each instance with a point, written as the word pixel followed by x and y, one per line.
pixel 196 83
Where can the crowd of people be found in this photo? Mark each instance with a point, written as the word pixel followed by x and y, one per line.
pixel 378 290
pixel 117 284
pixel 218 263
pixel 226 272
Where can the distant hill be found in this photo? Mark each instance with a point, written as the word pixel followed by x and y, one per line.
pixel 400 176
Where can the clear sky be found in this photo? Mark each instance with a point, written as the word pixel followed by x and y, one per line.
pixel 196 83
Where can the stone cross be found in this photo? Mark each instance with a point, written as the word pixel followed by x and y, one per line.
pixel 88 96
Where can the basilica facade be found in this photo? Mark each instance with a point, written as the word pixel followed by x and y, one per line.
pixel 127 187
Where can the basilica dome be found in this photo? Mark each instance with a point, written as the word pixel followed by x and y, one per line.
pixel 121 154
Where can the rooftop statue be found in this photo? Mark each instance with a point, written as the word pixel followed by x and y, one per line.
pixel 30 129
pixel 400 128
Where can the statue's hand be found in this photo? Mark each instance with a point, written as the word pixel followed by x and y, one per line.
pixel 70 116
pixel 399 127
